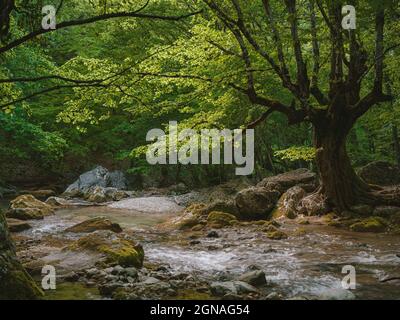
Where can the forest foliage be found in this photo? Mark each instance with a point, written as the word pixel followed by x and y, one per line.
pixel 137 74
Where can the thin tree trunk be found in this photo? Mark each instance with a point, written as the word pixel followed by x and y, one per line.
pixel 396 142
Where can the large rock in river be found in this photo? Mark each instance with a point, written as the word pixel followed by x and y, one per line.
pixel 288 204
pixel 256 203
pixel 15 282
pixel 117 249
pixel 98 177
pixel 27 207
pixel 91 225
pixel 380 173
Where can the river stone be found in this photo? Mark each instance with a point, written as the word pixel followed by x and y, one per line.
pixel 117 180
pixel 371 224
pixel 231 288
pixel 220 289
pixel 227 206
pixel 27 207
pixel 98 177
pixel 256 203
pixel 117 249
pixel 91 225
pixel 57 202
pixel 386 211
pixel 313 205
pixel 15 225
pixel 255 278
pixel 380 173
pixel 362 209
pixel 288 203
pixel 131 272
pixel 290 179
pixel 42 194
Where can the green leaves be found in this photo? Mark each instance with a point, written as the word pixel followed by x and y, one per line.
pixel 297 153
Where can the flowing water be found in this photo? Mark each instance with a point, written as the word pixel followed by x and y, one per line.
pixel 307 265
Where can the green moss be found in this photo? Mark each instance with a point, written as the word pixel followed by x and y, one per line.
pixel 15 282
pixel 303 221
pixel 336 224
pixel 117 251
pixel 72 291
pixel 124 254
pixel 276 235
pixel 300 232
pixel 221 218
pixel 18 285
pixel 190 294
pixel 198 227
pixel 188 223
pixel 329 217
pixel 371 224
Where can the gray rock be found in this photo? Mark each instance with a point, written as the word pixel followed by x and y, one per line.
pixel 386 211
pixel 150 281
pixel 98 179
pixel 117 180
pixel 256 203
pixel 255 278
pixel 131 272
pixel 288 204
pixel 380 173
pixel 313 205
pixel 187 199
pixel 220 289
pixel 231 288
pixel 92 272
pixel 57 202
pixel 117 270
pixel 213 234
pixel 273 296
pixel 244 288
pixel 290 179
pixel 362 209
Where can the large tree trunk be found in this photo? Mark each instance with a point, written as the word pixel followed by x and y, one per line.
pixel 340 185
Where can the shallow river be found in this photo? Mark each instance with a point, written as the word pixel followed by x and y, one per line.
pixel 307 265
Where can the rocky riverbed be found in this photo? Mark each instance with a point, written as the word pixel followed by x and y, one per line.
pixel 235 261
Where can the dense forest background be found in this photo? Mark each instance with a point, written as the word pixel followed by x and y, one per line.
pixel 137 74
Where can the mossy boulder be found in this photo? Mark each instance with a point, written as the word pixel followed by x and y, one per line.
pixel 15 282
pixel 27 207
pixel 227 206
pixel 91 225
pixel 371 224
pixel 275 234
pixel 256 203
pixel 222 219
pixel 118 250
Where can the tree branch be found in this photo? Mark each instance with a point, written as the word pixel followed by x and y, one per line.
pixel 66 24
